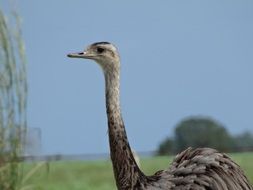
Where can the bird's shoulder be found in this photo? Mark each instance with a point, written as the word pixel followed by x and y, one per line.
pixel 204 168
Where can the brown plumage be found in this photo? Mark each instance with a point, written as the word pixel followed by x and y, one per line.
pixel 192 169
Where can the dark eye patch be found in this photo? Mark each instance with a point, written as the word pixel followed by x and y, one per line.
pixel 100 50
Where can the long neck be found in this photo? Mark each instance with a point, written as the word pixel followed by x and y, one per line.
pixel 126 171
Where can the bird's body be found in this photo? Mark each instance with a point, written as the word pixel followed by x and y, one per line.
pixel 201 169
pixel 193 169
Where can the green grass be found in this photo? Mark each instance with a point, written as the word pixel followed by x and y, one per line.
pixel 77 175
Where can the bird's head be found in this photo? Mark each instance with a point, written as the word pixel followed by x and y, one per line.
pixel 104 53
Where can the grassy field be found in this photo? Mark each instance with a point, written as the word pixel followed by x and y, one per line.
pixel 82 175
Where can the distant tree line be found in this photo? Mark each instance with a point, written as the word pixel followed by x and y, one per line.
pixel 204 132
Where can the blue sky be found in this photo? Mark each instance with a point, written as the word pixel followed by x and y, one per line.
pixel 179 59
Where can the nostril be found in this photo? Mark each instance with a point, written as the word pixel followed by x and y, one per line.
pixel 81 53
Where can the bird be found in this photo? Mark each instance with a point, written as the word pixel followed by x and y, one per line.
pixel 192 169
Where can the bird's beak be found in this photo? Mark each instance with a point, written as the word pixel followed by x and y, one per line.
pixel 83 54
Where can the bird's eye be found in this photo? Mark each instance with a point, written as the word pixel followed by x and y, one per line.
pixel 100 50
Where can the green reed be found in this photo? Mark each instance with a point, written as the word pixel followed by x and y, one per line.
pixel 13 101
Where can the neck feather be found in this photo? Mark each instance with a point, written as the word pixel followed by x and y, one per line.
pixel 126 171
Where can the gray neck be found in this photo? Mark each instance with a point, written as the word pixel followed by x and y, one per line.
pixel 126 171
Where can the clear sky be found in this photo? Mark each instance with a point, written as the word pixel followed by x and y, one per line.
pixel 179 59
